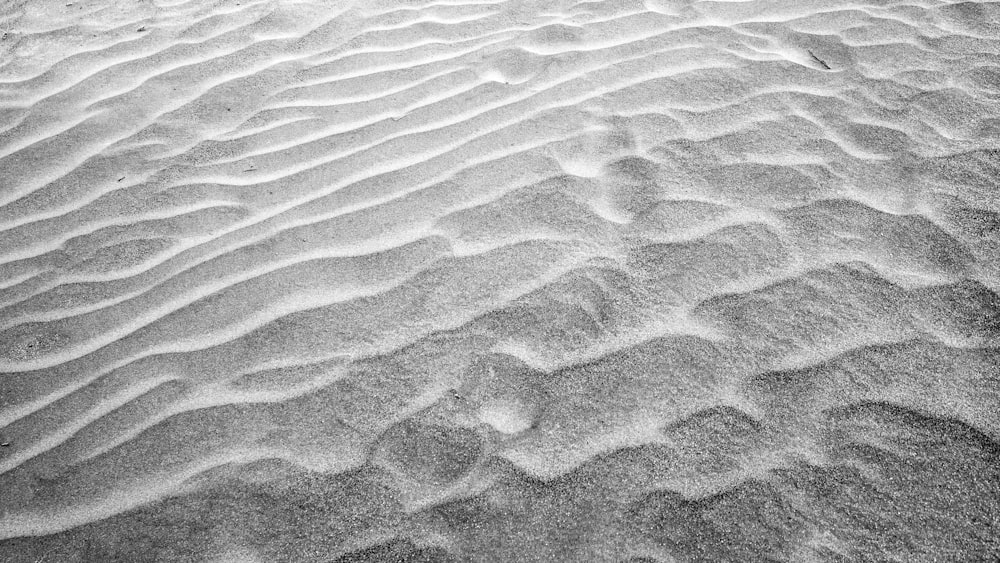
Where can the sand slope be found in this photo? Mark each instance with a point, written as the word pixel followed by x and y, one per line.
pixel 647 280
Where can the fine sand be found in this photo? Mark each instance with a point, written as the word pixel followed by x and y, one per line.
pixel 555 281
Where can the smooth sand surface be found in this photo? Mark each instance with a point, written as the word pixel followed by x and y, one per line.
pixel 398 280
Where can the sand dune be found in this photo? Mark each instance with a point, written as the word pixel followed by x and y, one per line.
pixel 622 280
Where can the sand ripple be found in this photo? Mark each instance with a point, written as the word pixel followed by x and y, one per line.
pixel 630 280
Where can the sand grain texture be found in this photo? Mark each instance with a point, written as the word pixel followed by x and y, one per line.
pixel 410 281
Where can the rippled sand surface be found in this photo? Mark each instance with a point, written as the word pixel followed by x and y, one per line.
pixel 623 280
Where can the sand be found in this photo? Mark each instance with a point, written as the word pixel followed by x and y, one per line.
pixel 399 280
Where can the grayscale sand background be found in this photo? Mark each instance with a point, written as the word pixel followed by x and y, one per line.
pixel 622 280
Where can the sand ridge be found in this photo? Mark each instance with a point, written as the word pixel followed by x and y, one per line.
pixel 647 280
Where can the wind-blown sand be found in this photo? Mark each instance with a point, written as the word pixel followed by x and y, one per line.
pixel 314 280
